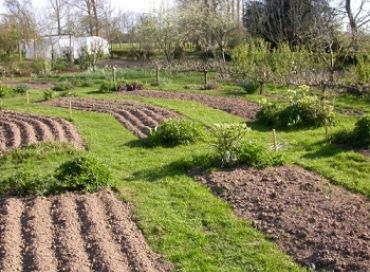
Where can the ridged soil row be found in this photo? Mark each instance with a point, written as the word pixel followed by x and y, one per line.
pixel 12 134
pixel 129 237
pixel 136 117
pixel 69 245
pixel 104 253
pixel 23 129
pixel 11 235
pixel 37 227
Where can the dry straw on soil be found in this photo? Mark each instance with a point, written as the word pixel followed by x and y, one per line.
pixel 89 232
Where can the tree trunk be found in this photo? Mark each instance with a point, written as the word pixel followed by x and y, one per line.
pixel 353 25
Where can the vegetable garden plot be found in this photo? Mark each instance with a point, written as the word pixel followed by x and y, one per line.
pixel 320 225
pixel 20 129
pixel 136 117
pixel 242 108
pixel 88 232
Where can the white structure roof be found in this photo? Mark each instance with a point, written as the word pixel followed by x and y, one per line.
pixel 60 46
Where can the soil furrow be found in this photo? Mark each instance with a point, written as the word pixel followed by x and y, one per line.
pixel 27 132
pixel 11 235
pixel 43 132
pixel 146 119
pixel 104 253
pixel 38 253
pixel 56 128
pixel 126 233
pixel 12 134
pixel 136 122
pixel 2 139
pixel 234 106
pixel 128 125
pixel 69 246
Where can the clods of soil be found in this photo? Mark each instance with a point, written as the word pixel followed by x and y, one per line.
pixel 20 129
pixel 242 108
pixel 320 225
pixel 136 117
pixel 89 232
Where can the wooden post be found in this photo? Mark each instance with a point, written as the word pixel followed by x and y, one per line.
pixel 28 96
pixel 205 75
pixel 70 108
pixel 275 141
pixel 113 73
pixel 326 131
pixel 157 75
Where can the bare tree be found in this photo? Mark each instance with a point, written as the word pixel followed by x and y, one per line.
pixel 358 18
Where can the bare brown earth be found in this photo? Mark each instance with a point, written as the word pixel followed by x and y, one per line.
pixel 30 84
pixel 89 232
pixel 320 225
pixel 242 108
pixel 20 129
pixel 136 117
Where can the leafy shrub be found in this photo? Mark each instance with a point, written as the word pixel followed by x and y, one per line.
pixel 304 110
pixel 63 86
pixel 176 132
pixel 250 86
pixel 21 89
pixel 258 156
pixel 22 184
pixel 226 139
pixel 39 66
pixel 108 87
pixel 82 174
pixel 5 91
pixel 359 137
pixel 76 82
pixel 48 94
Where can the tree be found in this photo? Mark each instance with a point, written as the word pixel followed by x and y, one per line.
pixel 357 19
pixel 59 9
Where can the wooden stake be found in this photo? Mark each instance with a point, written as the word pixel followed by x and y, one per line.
pixel 275 141
pixel 28 96
pixel 157 75
pixel 114 74
pixel 205 75
pixel 70 108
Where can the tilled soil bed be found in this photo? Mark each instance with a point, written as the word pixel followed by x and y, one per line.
pixel 20 129
pixel 136 117
pixel 242 108
pixel 88 232
pixel 320 225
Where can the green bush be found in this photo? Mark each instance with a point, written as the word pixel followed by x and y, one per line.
pixel 5 91
pixel 304 110
pixel 21 89
pixel 258 156
pixel 83 173
pixel 108 87
pixel 176 132
pixel 226 139
pixel 48 94
pixel 63 86
pixel 250 86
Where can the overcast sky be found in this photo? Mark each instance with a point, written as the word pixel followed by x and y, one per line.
pixel 137 6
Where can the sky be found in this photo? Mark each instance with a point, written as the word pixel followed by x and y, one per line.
pixel 138 6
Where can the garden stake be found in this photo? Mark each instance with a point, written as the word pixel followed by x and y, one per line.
pixel 70 108
pixel 113 73
pixel 28 97
pixel 275 142
pixel 205 71
pixel 157 74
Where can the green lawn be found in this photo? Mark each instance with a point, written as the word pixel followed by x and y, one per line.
pixel 182 219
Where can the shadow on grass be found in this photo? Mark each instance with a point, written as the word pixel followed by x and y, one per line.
pixel 188 166
pixel 324 150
